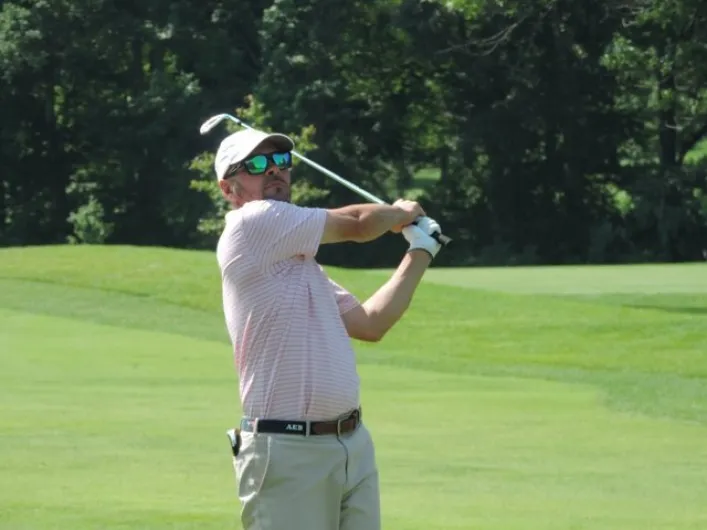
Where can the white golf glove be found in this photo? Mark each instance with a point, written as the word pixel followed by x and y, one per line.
pixel 428 225
pixel 419 239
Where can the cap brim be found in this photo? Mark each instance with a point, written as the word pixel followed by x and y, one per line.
pixel 280 141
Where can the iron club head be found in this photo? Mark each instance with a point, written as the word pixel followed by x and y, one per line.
pixel 212 122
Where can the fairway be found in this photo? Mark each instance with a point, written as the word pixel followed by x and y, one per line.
pixel 548 398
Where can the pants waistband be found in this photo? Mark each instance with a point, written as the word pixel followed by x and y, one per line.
pixel 344 425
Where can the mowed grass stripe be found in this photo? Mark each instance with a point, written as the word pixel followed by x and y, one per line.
pixel 682 278
pixel 112 307
pixel 181 277
pixel 120 428
pixel 473 326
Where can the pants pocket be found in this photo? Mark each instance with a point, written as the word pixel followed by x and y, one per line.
pixel 251 465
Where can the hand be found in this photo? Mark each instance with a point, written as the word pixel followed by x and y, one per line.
pixel 413 211
pixel 420 240
pixel 428 225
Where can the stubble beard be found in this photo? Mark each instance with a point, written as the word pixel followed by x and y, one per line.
pixel 276 189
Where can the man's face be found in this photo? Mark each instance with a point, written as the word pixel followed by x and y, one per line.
pixel 244 187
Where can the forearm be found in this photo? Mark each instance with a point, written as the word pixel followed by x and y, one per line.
pixel 374 220
pixel 388 304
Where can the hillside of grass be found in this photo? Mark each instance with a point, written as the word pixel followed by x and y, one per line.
pixel 644 325
pixel 506 399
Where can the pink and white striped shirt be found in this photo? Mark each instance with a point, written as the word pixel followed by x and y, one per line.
pixel 294 358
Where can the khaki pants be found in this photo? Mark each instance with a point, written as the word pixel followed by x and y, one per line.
pixel 290 482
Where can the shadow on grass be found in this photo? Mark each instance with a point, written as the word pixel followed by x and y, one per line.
pixel 669 309
pixel 112 308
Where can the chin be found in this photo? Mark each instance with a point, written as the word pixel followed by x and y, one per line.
pixel 279 194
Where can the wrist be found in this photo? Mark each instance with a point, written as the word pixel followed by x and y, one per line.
pixel 420 242
pixel 399 219
pixel 420 255
pixel 384 213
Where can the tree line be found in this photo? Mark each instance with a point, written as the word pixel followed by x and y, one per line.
pixel 535 131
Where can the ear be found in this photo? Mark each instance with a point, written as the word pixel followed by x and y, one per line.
pixel 226 188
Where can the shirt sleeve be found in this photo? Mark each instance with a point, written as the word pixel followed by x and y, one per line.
pixel 344 299
pixel 278 231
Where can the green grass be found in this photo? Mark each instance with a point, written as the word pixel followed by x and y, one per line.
pixel 519 398
pixel 423 180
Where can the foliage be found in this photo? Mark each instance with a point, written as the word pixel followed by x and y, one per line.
pixel 560 131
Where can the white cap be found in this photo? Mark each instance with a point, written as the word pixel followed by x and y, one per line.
pixel 236 147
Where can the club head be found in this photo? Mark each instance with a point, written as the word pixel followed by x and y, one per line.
pixel 212 122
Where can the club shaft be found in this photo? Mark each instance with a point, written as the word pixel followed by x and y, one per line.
pixel 363 193
pixel 353 187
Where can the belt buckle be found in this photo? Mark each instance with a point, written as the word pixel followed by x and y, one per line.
pixel 354 416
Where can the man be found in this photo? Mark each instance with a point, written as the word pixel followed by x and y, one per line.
pixel 302 456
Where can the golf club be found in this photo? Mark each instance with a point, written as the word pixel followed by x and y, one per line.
pixel 212 122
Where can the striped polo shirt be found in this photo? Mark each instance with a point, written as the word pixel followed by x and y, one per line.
pixel 293 356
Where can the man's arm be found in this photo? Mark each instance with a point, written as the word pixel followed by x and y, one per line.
pixel 371 320
pixel 365 222
pixel 277 231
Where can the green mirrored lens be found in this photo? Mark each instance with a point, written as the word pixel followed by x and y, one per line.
pixel 282 160
pixel 257 164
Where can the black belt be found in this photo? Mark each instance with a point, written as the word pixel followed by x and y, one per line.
pixel 343 425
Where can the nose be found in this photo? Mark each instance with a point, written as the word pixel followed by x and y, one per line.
pixel 272 169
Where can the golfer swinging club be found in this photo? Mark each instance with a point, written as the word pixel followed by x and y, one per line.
pixel 303 459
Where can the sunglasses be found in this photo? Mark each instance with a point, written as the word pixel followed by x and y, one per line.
pixel 258 164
